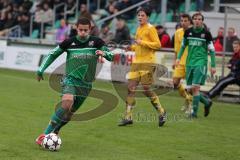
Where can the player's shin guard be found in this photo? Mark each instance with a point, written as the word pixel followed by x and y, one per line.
pixel 195 103
pixel 56 119
pixel 130 103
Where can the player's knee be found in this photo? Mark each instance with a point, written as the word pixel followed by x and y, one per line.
pixel 67 101
pixel 195 90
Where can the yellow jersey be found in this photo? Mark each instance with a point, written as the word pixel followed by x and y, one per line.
pixel 145 52
pixel 178 37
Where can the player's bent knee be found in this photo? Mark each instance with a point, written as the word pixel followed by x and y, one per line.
pixel 67 101
pixel 195 89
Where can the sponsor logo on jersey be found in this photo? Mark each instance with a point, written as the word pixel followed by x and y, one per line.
pixel 195 43
pixel 73 44
pixel 91 43
pixel 190 34
pixel 203 35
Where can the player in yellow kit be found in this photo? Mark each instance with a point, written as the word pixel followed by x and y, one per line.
pixel 143 66
pixel 179 70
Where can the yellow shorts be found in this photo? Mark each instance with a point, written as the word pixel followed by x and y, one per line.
pixel 143 73
pixel 179 71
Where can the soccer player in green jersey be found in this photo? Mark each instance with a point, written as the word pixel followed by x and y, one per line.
pixel 199 42
pixel 82 51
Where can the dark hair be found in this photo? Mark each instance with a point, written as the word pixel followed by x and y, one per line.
pixel 198 14
pixel 236 42
pixel 145 9
pixel 84 21
pixel 186 16
pixel 159 27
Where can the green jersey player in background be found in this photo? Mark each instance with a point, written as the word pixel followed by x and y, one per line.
pixel 199 42
pixel 82 51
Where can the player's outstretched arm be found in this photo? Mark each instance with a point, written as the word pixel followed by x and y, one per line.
pixel 48 61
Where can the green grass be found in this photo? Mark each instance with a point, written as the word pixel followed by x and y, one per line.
pixel 26 106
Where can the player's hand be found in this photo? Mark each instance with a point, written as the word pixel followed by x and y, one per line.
pixel 177 62
pixel 213 71
pixel 100 53
pixel 39 78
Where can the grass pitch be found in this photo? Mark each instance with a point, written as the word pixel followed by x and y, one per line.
pixel 26 106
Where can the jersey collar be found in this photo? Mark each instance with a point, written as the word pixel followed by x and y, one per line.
pixel 82 40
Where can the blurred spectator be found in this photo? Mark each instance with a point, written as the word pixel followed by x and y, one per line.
pixel 123 5
pixel 233 76
pixel 84 12
pixel 94 29
pixel 34 6
pixel 7 8
pixel 111 10
pixel 48 13
pixel 122 32
pixel 218 41
pixel 43 15
pixel 231 37
pixel 106 34
pixel 63 31
pixel 3 4
pixel 3 20
pixel 24 22
pixel 15 11
pixel 10 22
pixel 163 37
pixel 21 10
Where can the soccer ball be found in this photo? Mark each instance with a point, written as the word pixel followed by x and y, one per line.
pixel 52 142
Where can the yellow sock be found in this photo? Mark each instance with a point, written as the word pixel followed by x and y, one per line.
pixel 157 105
pixel 129 112
pixel 185 94
pixel 182 91
pixel 130 102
